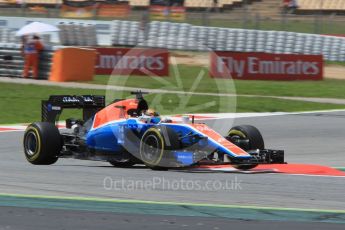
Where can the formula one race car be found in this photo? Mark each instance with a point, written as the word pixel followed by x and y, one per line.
pixel 126 133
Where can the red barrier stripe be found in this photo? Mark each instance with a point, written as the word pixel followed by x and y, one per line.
pixel 7 129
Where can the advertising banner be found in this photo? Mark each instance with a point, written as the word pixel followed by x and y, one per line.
pixel 77 12
pixel 79 3
pixel 167 2
pixel 175 13
pixel 77 9
pixel 125 61
pixel 113 9
pixel 167 9
pixel 39 9
pixel 266 66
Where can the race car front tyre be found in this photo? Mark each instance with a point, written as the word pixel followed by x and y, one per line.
pixel 125 163
pixel 246 137
pixel 244 166
pixel 42 143
pixel 155 149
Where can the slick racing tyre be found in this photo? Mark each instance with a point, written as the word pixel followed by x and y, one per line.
pixel 42 143
pixel 246 137
pixel 245 166
pixel 123 163
pixel 154 148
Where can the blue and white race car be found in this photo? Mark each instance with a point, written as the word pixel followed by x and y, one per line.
pixel 127 132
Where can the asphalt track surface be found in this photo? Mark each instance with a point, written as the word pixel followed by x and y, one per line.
pixel 306 138
pixel 22 218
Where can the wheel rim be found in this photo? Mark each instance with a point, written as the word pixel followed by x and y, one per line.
pixel 31 144
pixel 236 139
pixel 236 136
pixel 151 149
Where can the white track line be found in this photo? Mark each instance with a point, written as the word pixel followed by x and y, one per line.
pixel 264 114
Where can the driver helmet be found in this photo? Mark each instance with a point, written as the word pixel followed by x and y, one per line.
pixel 154 116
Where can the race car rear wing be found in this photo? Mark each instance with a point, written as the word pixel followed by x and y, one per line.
pixel 53 107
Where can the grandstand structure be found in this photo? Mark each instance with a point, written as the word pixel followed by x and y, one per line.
pixel 310 6
pixel 136 3
pixel 259 5
pixel 265 8
pixel 140 4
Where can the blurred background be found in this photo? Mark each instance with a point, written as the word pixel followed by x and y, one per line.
pixel 188 30
pixel 308 16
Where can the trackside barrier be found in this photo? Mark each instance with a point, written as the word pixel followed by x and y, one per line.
pixel 61 63
pixel 73 64
pixel 12 62
pixel 183 36
pixel 77 34
pixel 265 66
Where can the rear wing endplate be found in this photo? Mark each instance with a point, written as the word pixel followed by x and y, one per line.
pixel 53 107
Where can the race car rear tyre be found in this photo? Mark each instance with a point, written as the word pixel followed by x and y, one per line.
pixel 42 143
pixel 154 148
pixel 246 137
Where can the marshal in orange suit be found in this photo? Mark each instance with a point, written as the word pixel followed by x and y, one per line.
pixel 31 49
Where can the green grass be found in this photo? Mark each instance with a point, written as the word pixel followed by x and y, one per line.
pixel 329 88
pixel 335 63
pixel 21 103
pixel 200 104
pixel 276 105
pixel 293 25
pixel 323 89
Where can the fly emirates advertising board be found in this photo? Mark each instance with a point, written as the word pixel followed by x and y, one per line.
pixel 265 66
pixel 125 61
